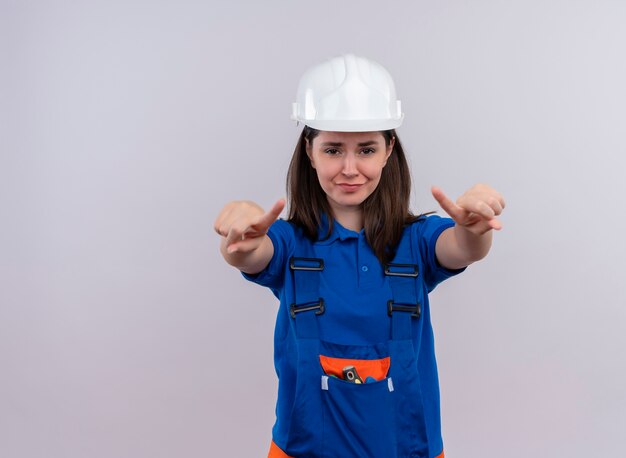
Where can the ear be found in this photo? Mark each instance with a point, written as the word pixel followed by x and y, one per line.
pixel 389 150
pixel 309 153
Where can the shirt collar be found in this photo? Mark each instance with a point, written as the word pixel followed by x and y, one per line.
pixel 338 232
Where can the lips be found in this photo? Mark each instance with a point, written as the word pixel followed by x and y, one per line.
pixel 349 187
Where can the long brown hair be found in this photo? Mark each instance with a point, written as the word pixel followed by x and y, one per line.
pixel 385 211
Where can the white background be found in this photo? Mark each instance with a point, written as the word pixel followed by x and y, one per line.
pixel 126 125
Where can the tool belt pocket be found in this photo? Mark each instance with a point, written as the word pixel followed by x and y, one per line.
pixel 358 413
pixel 363 370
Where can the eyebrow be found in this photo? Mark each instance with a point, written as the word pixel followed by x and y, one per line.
pixel 368 143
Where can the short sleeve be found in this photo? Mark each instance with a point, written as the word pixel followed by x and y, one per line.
pixel 281 234
pixel 426 231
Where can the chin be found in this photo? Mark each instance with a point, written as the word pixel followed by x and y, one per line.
pixel 356 202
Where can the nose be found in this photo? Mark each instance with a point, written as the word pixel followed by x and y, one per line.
pixel 349 166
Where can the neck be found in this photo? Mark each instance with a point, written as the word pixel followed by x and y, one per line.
pixel 350 219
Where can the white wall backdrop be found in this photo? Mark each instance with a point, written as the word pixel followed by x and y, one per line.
pixel 126 125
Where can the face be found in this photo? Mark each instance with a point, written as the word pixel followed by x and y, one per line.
pixel 348 166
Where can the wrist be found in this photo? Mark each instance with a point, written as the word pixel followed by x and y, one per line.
pixel 475 244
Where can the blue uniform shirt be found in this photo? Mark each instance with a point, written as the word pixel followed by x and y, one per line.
pixel 355 291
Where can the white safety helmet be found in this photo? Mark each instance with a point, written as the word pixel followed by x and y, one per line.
pixel 347 94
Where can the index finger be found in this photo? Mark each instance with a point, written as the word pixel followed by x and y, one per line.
pixel 265 221
pixel 446 203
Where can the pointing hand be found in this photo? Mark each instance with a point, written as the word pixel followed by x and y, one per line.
pixel 244 223
pixel 475 210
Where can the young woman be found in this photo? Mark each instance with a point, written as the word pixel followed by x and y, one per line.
pixel 352 267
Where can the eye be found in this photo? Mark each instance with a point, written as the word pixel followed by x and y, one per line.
pixel 368 151
pixel 331 151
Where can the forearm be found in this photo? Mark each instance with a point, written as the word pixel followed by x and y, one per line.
pixel 458 247
pixel 250 262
